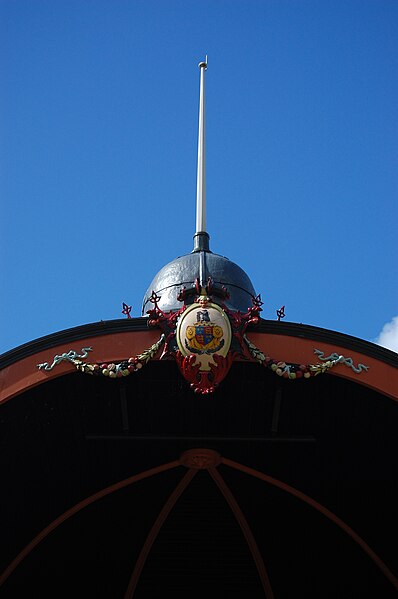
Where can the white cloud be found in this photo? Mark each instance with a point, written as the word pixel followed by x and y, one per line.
pixel 389 335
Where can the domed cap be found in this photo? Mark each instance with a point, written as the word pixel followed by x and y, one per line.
pixel 197 267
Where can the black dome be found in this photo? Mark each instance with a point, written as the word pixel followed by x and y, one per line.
pixel 185 270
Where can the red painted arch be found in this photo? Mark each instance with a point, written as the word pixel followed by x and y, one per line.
pixel 24 373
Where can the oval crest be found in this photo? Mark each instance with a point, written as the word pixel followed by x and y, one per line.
pixel 204 330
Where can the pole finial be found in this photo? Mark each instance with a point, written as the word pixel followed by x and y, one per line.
pixel 203 64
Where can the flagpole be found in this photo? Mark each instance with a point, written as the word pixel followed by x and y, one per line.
pixel 201 237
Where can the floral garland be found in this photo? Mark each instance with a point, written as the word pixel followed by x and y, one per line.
pixel 124 368
pixel 285 370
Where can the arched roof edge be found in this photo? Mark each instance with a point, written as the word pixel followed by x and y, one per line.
pixel 106 327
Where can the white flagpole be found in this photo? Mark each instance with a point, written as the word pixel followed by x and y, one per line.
pixel 201 241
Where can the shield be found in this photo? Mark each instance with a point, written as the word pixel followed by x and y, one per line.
pixel 204 334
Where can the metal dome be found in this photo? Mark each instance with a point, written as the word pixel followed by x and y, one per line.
pixel 184 271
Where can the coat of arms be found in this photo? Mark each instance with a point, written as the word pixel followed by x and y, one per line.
pixel 204 330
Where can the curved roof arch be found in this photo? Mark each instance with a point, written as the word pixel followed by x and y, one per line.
pixel 120 339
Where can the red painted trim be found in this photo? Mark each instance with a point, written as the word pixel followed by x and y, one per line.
pixel 381 377
pixel 168 506
pixel 24 374
pixel 246 530
pixel 79 506
pixel 320 508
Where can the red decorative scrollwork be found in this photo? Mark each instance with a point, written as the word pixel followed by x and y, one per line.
pixel 166 321
pixel 204 381
pixel 240 322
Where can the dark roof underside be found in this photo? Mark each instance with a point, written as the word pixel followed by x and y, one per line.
pixel 69 438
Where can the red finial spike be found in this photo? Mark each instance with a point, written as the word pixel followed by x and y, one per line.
pixel 281 313
pixel 126 310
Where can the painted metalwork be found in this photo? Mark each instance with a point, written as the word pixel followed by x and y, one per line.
pixel 70 356
pixel 117 370
pixel 126 310
pixel 339 359
pixel 204 338
pixel 202 265
pixel 203 368
pixel 204 329
pixel 111 369
pixel 294 371
pixel 201 174
pixel 204 382
pixel 287 370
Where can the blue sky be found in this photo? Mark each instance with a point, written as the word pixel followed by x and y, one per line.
pixel 98 130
